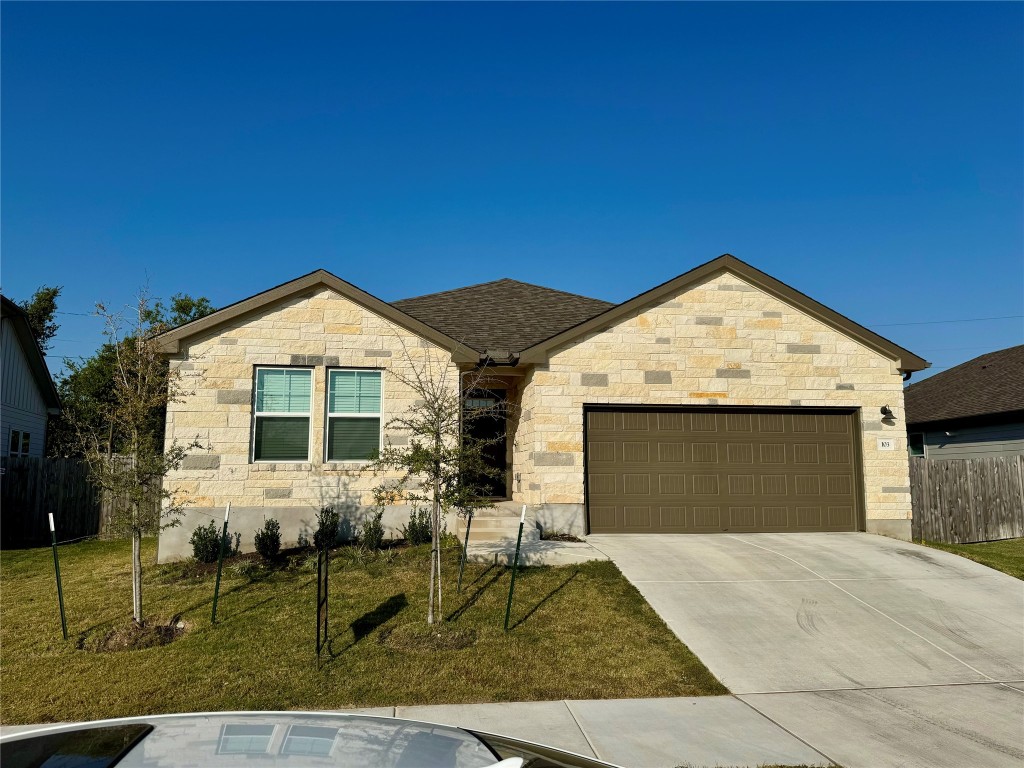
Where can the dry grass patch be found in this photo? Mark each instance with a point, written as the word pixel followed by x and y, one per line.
pixel 580 632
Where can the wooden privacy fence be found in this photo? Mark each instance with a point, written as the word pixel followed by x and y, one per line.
pixel 30 488
pixel 966 500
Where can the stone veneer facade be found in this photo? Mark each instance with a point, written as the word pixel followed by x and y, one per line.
pixel 320 331
pixel 720 342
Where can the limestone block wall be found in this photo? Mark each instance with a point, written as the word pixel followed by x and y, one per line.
pixel 320 330
pixel 722 342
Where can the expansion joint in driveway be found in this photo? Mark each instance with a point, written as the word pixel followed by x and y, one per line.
pixel 784 728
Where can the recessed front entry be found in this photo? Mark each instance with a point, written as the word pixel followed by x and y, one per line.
pixel 486 420
pixel 716 470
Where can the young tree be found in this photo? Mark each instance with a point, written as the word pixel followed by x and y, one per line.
pixel 40 310
pixel 442 467
pixel 140 384
pixel 87 387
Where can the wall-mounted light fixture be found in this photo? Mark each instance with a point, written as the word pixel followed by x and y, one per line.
pixel 887 412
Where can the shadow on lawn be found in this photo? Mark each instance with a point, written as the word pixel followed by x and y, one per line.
pixel 471 600
pixel 370 621
pixel 547 597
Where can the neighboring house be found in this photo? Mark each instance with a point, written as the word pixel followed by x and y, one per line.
pixel 971 411
pixel 27 393
pixel 721 400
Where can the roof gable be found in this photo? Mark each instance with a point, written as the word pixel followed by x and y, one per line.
pixel 903 359
pixel 170 341
pixel 502 315
pixel 987 385
pixel 33 353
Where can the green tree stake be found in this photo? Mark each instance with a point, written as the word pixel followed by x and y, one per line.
pixel 465 551
pixel 220 563
pixel 515 567
pixel 56 568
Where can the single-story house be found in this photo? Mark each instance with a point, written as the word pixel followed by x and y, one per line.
pixel 721 400
pixel 971 411
pixel 27 394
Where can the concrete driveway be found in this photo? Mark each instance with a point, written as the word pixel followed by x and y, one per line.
pixel 874 651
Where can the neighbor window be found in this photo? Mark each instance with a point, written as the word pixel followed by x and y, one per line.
pixel 281 414
pixel 353 415
pixel 915 442
pixel 19 444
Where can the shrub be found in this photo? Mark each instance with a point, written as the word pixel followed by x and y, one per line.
pixel 268 540
pixel 372 536
pixel 247 569
pixel 206 543
pixel 418 530
pixel 326 534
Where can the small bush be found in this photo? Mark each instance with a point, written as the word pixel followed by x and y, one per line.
pixel 206 543
pixel 247 569
pixel 326 535
pixel 372 536
pixel 268 540
pixel 418 530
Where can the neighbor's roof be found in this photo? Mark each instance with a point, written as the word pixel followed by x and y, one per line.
pixel 502 315
pixel 33 353
pixel 984 386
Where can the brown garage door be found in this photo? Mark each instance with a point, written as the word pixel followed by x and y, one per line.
pixel 707 471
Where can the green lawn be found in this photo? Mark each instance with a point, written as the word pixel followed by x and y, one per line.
pixel 1006 555
pixel 580 632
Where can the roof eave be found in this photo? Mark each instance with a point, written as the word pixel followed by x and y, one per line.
pixel 34 355
pixel 169 342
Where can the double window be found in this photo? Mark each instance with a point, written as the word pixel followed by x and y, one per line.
pixel 282 414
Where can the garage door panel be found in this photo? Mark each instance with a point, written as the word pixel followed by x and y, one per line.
pixel 729 471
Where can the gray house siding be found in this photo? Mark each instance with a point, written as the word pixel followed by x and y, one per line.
pixel 22 408
pixel 973 442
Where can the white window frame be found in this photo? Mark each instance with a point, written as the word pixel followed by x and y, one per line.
pixel 21 449
pixel 287 414
pixel 328 415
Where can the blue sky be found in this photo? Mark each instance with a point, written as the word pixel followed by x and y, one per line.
pixel 870 155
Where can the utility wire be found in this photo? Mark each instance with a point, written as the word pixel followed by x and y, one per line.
pixel 937 322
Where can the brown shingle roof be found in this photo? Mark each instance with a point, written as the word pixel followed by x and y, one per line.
pixel 986 385
pixel 503 314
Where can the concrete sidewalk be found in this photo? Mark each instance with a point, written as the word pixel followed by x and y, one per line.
pixel 637 733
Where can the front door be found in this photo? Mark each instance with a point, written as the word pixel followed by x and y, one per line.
pixel 486 421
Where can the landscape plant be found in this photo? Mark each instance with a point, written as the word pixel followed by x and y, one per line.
pixel 268 540
pixel 372 534
pixel 205 541
pixel 418 530
pixel 326 534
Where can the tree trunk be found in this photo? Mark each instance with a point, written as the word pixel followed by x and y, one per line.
pixel 137 575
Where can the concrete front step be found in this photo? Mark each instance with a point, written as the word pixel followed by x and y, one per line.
pixel 533 552
pixel 499 533
pixel 489 527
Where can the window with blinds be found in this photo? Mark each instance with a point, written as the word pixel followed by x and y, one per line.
pixel 353 415
pixel 281 414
